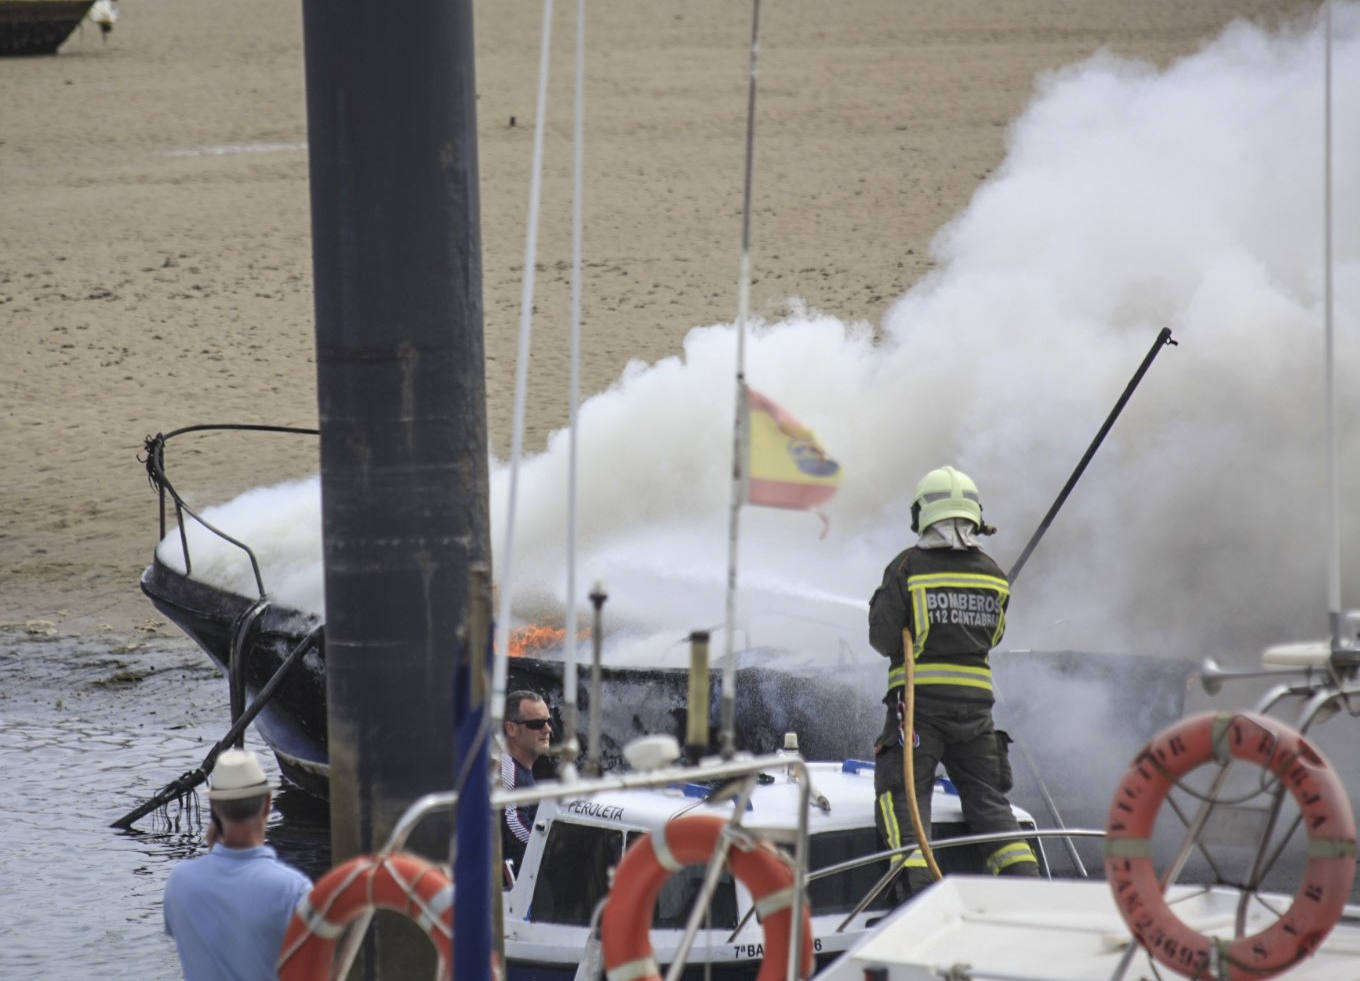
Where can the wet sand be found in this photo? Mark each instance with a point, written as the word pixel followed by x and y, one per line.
pixel 155 254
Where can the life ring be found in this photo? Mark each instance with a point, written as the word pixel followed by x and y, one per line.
pixel 400 882
pixel 1326 814
pixel 649 862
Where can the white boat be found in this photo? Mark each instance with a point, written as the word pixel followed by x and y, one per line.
pixel 970 928
pixel 577 841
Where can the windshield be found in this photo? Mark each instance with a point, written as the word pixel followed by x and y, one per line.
pixel 574 874
pixel 682 889
pixel 574 877
pixel 840 893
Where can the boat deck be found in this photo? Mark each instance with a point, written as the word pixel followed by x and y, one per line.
pixel 1054 930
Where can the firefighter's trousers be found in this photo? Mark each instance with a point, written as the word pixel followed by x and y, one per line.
pixel 961 736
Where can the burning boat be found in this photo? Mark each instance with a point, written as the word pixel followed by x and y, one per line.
pixel 835 713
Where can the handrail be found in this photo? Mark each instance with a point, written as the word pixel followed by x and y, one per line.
pixel 878 887
pixel 733 769
pixel 978 839
pixel 728 771
pixel 155 470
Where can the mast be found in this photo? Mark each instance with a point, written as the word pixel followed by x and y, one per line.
pixel 500 666
pixel 1333 481
pixel 569 645
pixel 739 433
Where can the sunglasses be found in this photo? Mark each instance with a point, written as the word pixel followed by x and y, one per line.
pixel 531 723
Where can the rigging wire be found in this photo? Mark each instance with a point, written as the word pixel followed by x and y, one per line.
pixel 570 646
pixel 502 649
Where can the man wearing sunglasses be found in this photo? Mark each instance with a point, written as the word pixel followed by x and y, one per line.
pixel 527 730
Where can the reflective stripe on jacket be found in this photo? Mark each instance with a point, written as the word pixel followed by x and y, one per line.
pixel 953 603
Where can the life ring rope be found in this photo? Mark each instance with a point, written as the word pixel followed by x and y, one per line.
pixel 1293 764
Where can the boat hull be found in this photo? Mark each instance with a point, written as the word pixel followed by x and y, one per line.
pixel 829 715
pixel 1042 700
pixel 720 971
pixel 38 27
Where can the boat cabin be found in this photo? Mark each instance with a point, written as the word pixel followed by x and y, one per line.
pixel 576 843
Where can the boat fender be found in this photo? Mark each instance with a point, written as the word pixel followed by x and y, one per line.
pixel 400 882
pixel 691 840
pixel 1325 812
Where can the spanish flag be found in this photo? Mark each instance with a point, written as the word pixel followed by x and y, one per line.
pixel 786 467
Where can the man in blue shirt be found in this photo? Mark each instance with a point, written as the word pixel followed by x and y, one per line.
pixel 228 909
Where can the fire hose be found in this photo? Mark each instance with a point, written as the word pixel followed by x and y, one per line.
pixel 909 758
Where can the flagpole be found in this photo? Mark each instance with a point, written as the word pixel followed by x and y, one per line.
pixel 1333 482
pixel 570 649
pixel 729 678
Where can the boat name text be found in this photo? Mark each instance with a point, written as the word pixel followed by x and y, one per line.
pixel 590 809
pixel 752 951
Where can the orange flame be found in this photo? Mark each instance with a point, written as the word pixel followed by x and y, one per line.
pixel 536 639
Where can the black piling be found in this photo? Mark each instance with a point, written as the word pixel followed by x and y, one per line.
pixel 401 396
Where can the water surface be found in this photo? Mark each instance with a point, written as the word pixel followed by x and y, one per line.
pixel 87 732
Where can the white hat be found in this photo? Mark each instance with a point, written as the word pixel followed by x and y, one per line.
pixel 236 775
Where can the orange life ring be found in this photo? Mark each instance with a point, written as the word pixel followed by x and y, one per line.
pixel 401 882
pixel 649 862
pixel 1326 814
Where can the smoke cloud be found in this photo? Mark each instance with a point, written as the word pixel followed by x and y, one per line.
pixel 1130 199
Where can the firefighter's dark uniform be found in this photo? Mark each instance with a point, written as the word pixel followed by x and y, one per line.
pixel 953 603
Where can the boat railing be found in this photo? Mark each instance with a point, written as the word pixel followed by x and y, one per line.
pixel 1324 680
pixel 155 469
pixel 739 773
pixel 735 779
pixel 942 844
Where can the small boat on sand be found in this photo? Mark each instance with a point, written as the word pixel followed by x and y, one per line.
pixel 38 27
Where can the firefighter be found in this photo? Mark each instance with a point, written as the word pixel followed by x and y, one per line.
pixel 950 597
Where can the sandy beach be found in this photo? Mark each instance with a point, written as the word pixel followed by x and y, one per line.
pixel 155 253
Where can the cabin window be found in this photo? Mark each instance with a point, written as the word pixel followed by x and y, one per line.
pixel 965 859
pixel 682 889
pixel 574 874
pixel 840 893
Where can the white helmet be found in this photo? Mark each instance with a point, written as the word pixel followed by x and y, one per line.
pixel 945 493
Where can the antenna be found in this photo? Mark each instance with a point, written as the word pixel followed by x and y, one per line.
pixel 1339 645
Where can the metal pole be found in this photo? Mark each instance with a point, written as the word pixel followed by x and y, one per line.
pixel 1333 481
pixel 696 712
pixel 570 744
pixel 729 680
pixel 191 779
pixel 505 572
pixel 401 398
pixel 597 598
pixel 475 850
pixel 1163 338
